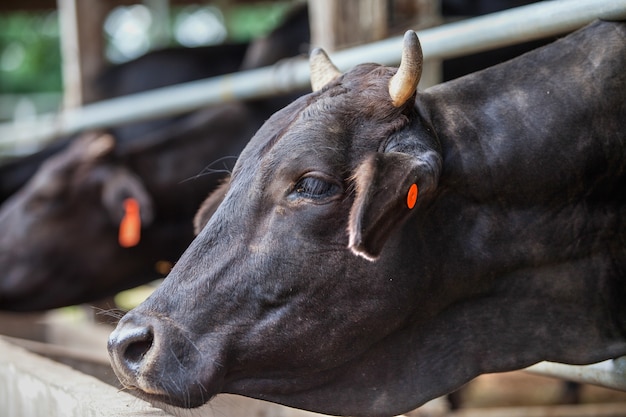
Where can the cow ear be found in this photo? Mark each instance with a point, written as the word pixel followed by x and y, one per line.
pixel 93 146
pixel 386 192
pixel 121 184
pixel 58 172
pixel 388 187
pixel 209 206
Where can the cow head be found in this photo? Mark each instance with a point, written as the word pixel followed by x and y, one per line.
pixel 75 200
pixel 372 251
pixel 278 295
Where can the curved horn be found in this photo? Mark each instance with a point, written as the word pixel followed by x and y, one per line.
pixel 404 83
pixel 323 70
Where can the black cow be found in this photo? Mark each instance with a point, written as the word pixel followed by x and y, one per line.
pixel 59 232
pixel 62 206
pixel 59 241
pixel 376 248
pixel 153 70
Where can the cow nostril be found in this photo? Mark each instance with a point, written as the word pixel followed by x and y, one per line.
pixel 134 345
pixel 135 351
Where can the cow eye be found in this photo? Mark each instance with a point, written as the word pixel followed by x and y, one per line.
pixel 313 187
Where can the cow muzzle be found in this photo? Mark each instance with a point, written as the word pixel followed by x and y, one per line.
pixel 142 349
pixel 130 348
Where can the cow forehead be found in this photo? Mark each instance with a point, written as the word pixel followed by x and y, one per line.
pixel 354 114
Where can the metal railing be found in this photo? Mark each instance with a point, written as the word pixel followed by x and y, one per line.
pixel 499 29
pixel 609 374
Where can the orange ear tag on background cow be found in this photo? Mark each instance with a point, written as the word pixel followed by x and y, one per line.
pixel 130 226
pixel 411 197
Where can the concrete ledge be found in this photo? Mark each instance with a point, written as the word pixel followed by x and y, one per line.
pixel 608 374
pixel 33 386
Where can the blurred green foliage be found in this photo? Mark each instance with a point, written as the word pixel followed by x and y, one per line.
pixel 29 53
pixel 247 21
pixel 30 57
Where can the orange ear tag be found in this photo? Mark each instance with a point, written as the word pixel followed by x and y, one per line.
pixel 411 197
pixel 130 226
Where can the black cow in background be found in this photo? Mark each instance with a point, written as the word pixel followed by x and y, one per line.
pixel 165 67
pixel 155 69
pixel 162 68
pixel 59 241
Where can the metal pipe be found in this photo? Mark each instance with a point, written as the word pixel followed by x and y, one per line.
pixel 456 39
pixel 508 27
pixel 609 374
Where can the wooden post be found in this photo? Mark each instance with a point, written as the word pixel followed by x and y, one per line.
pixel 338 24
pixel 82 47
pixel 159 29
pixel 428 14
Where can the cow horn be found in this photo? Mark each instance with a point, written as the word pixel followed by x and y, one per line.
pixel 404 83
pixel 323 70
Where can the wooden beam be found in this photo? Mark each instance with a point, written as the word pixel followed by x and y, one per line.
pixel 425 14
pixel 338 24
pixel 82 47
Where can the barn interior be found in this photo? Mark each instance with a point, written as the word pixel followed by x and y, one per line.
pixel 54 362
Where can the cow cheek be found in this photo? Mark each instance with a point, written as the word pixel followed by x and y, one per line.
pixel 311 326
